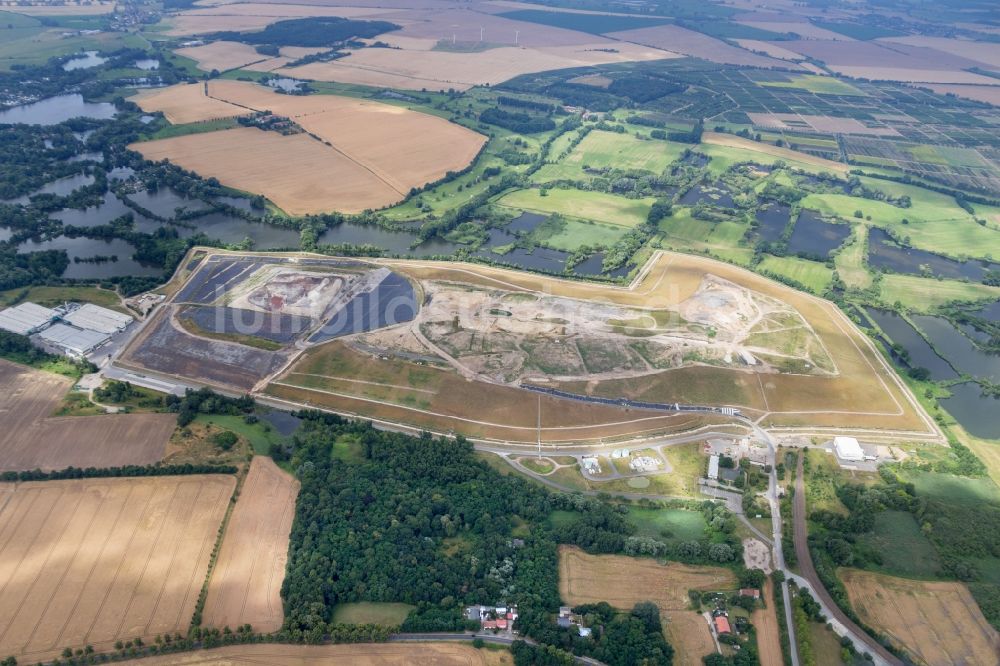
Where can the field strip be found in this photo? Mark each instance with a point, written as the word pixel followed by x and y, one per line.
pixel 62 577
pixel 327 143
pixel 362 381
pixel 152 551
pixel 121 562
pixel 467 420
pixel 90 574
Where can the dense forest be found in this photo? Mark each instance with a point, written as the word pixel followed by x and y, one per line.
pixel 389 517
pixel 316 31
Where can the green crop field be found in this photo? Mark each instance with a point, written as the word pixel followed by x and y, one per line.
pixel 937 227
pixel 954 489
pixel 260 434
pixel 676 524
pixel 370 612
pixel 596 206
pixel 600 150
pixel 904 550
pixel 812 274
pixel 823 85
pixel 571 235
pixel 924 294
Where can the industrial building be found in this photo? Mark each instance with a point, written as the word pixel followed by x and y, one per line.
pixel 847 448
pixel 71 329
pixel 95 318
pixel 72 341
pixel 27 318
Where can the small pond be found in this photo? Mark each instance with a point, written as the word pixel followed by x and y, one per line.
pixel 976 412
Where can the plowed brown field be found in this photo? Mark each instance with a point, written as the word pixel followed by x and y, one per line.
pixel 92 561
pixel 30 439
pixel 246 582
pixel 624 581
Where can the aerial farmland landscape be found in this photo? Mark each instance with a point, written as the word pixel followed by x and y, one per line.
pixel 602 332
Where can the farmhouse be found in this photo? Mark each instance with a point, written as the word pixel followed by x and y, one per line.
pixel 847 448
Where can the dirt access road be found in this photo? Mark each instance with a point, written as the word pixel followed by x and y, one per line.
pixel 809 571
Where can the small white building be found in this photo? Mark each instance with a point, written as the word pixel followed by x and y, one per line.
pixel 713 468
pixel 591 464
pixel 26 318
pixel 847 448
pixel 95 318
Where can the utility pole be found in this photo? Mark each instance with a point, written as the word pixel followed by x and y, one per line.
pixel 482 33
pixel 517 36
pixel 539 427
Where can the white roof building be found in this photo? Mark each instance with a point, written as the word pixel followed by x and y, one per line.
pixel 847 448
pixel 26 318
pixel 713 467
pixel 96 318
pixel 73 341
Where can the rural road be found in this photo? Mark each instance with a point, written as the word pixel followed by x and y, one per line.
pixel 486 638
pixel 861 639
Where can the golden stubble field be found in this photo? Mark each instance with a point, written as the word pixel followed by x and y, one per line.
pixel 936 622
pixel 93 561
pixel 367 155
pixel 31 439
pixel 625 581
pixel 363 654
pixel 417 69
pixel 246 582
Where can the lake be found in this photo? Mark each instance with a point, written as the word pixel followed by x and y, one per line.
pixel 922 355
pixel 813 236
pixel 103 213
pixel 884 252
pixel 772 218
pixel 86 61
pixel 60 187
pixel 91 247
pixel 55 110
pixel 164 202
pixel 977 413
pixel 393 242
pixel 959 349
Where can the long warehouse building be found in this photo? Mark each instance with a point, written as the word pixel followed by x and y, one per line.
pixel 73 341
pixel 26 318
pixel 95 318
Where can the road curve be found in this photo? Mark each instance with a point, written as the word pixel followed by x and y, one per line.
pixel 809 573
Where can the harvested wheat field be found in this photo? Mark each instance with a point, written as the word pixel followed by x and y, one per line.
pixel 93 561
pixel 299 174
pixel 362 654
pixel 936 622
pixel 186 103
pixel 765 621
pixel 624 581
pixel 254 16
pixel 367 155
pixel 222 55
pixel 439 70
pixel 30 439
pixel 246 582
